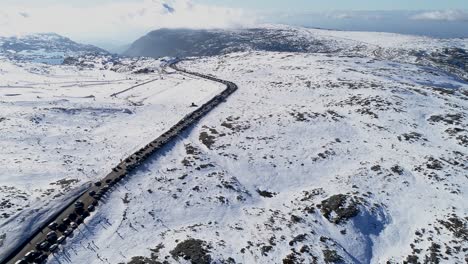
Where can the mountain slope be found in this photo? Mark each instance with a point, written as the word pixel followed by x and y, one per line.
pixel 449 55
pixel 315 159
pixel 44 47
pixel 188 42
pixel 349 148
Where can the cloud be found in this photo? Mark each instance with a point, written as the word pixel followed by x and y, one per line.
pixel 341 15
pixel 367 15
pixel 447 15
pixel 120 21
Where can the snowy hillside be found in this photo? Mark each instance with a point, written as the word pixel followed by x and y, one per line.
pixel 47 48
pixel 318 158
pixel 449 54
pixel 353 150
pixel 63 126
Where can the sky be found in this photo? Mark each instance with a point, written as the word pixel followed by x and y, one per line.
pixel 331 5
pixel 119 22
pixel 290 5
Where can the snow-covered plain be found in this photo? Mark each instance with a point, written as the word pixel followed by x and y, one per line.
pixel 317 158
pixel 60 127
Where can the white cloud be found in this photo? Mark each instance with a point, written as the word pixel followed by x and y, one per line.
pixel 120 21
pixel 368 15
pixel 447 15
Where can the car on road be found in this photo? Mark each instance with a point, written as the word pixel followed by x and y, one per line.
pixel 21 261
pixel 68 232
pixel 61 239
pixel 99 195
pixel 85 214
pixel 79 211
pixel 92 193
pixel 97 184
pixel 53 226
pixel 53 247
pixel 43 245
pixel 91 208
pixel 51 236
pixel 66 220
pixel 31 255
pixel 41 259
pixel 62 227
pixel 79 204
pixel 72 216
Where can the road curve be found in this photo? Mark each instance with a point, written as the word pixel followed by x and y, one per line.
pixel 85 204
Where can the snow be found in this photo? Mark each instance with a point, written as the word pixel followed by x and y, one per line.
pixel 252 179
pixel 62 128
pixel 299 123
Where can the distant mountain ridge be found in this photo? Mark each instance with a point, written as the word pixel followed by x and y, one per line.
pixel 44 47
pixel 194 42
pixel 449 55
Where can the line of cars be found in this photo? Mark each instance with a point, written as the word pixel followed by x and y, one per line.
pixel 59 231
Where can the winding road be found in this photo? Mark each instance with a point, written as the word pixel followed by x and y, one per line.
pixel 64 222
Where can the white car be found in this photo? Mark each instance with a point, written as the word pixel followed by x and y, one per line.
pixel 61 239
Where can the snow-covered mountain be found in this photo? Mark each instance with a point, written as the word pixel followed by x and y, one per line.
pixel 342 147
pixel 44 47
pixel 449 54
pixel 190 42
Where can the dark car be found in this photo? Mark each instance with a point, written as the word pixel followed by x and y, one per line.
pixel 98 195
pixel 72 216
pixel 92 193
pixel 98 184
pixel 79 204
pixel 62 227
pixel 51 236
pixel 41 259
pixel 91 208
pixel 31 255
pixel 85 214
pixel 79 210
pixel 43 245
